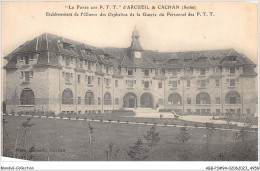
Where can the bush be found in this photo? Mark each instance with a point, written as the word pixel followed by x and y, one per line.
pixel 165 124
pixel 122 112
pixel 161 116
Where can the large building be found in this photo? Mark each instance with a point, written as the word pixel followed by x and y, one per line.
pixel 52 73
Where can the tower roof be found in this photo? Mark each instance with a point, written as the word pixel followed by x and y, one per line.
pixel 135 45
pixel 135 33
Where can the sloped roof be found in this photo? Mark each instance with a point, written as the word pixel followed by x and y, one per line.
pixel 47 46
pixel 249 71
pixel 137 62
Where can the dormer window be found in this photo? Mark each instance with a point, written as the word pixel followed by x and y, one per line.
pixel 67 46
pixel 88 52
pixel 27 59
pixel 173 61
pixel 130 72
pixel 232 58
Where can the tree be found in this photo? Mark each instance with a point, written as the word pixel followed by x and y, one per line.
pixel 112 151
pixel 152 137
pixel 5 138
pixel 183 136
pixel 26 125
pixel 91 141
pixel 138 151
pixel 209 134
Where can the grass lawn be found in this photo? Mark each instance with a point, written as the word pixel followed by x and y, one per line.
pixel 68 140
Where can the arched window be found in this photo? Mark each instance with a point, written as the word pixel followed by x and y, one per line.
pixel 116 101
pixel 203 98
pixel 67 97
pixel 232 97
pixel 89 98
pixel 27 97
pixel 174 99
pixel 107 99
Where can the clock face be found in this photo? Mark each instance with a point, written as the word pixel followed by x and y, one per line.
pixel 137 54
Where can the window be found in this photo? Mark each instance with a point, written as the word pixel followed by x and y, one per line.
pixel 232 70
pixel 232 97
pixel 174 84
pixel 98 80
pixel 217 99
pixel 146 84
pixel 26 60
pixel 79 79
pixel 107 82
pixel 67 62
pixel 146 72
pixel 202 83
pixel 116 101
pixel 198 111
pixel 188 100
pixel 89 65
pixel 217 111
pixel 116 83
pixel 202 71
pixel 89 98
pixel 27 97
pixel 248 111
pixel 189 111
pixel 232 82
pixel 217 82
pixel 89 80
pixel 67 97
pixel 80 63
pixel 107 69
pixel 130 72
pixel 27 75
pixel 160 101
pixel 160 84
pixel 107 99
pixel 99 101
pixel 67 77
pixel 79 100
pixel 203 98
pixel 188 83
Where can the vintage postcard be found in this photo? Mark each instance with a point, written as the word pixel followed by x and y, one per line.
pixel 129 81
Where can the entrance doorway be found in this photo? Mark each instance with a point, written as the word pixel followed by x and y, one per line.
pixel 146 100
pixel 130 100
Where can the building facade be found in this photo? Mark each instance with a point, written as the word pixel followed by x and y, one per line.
pixel 52 73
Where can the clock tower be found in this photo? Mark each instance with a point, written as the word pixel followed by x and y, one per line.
pixel 135 48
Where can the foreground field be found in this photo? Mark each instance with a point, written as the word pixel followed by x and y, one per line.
pixel 58 140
